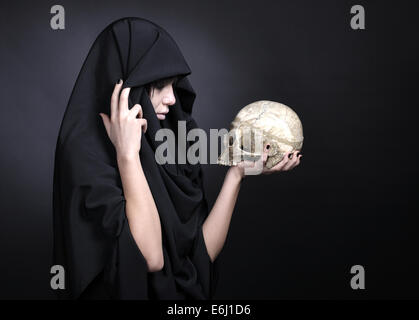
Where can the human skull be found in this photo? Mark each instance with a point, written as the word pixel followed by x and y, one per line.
pixel 257 125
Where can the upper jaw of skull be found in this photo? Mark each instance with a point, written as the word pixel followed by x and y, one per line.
pixel 241 145
pixel 234 152
pixel 233 156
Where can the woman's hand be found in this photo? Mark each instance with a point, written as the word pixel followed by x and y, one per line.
pixel 123 127
pixel 289 162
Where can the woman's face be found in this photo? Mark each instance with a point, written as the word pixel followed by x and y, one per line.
pixel 162 98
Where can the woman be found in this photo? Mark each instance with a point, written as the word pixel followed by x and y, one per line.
pixel 126 227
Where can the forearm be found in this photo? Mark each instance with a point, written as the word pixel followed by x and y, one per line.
pixel 141 212
pixel 216 225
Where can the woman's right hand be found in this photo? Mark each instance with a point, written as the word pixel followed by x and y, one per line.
pixel 123 127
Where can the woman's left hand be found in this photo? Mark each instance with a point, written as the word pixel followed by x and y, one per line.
pixel 289 162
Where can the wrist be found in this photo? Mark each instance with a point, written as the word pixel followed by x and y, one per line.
pixel 236 172
pixel 127 157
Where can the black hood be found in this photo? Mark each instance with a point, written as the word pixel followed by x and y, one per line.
pixel 91 232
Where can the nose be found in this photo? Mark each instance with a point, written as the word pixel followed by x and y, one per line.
pixel 169 97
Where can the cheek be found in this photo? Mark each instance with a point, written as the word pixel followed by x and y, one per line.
pixel 159 99
pixel 155 100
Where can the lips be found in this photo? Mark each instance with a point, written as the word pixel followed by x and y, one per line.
pixel 161 115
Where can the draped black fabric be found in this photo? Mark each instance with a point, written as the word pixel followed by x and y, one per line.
pixel 92 239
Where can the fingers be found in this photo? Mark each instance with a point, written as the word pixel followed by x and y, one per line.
pixel 288 162
pixel 299 155
pixel 143 123
pixel 123 102
pixel 295 162
pixel 115 99
pixel 136 110
pixel 281 164
pixel 292 162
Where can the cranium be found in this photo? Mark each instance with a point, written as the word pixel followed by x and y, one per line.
pixel 258 125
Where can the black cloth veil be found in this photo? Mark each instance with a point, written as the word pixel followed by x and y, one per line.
pixel 92 239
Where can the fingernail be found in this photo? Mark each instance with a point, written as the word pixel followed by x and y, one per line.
pixel 119 81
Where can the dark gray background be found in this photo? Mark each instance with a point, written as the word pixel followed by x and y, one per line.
pixel 293 235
